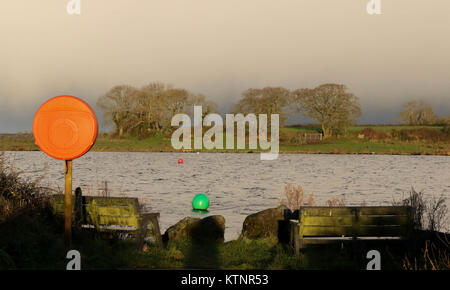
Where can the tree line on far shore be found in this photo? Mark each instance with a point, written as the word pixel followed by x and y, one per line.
pixel 418 112
pixel 148 110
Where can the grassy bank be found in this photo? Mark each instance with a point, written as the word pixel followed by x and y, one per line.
pixel 36 243
pixel 429 140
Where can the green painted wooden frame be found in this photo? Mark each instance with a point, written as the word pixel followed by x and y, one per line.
pixel 317 223
pixel 110 214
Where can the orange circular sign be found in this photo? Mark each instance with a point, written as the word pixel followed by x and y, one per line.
pixel 65 127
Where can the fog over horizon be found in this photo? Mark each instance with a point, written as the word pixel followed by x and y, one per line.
pixel 220 48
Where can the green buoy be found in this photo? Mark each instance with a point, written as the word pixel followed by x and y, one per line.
pixel 200 202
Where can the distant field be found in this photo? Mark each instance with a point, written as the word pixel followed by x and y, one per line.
pixel 17 142
pixel 306 129
pixel 391 127
pixel 383 128
pixel 352 145
pixel 355 146
pixel 345 145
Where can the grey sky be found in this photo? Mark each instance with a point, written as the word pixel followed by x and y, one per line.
pixel 222 47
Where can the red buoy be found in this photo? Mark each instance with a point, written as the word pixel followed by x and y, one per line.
pixel 180 160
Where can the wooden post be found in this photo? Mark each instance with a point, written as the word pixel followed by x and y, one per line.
pixel 301 230
pixel 355 224
pixel 355 232
pixel 295 237
pixel 78 208
pixel 156 230
pixel 68 205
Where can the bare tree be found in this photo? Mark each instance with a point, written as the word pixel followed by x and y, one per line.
pixel 158 102
pixel 148 110
pixel 330 104
pixel 443 120
pixel 269 100
pixel 208 107
pixel 117 105
pixel 417 113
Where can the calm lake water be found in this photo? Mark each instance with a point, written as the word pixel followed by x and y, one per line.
pixel 240 184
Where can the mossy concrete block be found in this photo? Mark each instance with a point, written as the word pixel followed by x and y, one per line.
pixel 263 224
pixel 209 228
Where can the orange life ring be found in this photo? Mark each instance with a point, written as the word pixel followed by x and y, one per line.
pixel 65 127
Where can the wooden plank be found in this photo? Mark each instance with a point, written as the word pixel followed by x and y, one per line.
pixel 93 217
pixel 96 204
pixel 348 211
pixel 349 231
pixel 387 210
pixel 382 231
pixel 327 221
pixel 383 220
pixel 333 231
pixel 126 211
pixel 117 220
pixel 325 241
pixel 111 200
pixel 326 211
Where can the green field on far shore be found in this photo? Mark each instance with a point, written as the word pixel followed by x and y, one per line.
pixel 347 144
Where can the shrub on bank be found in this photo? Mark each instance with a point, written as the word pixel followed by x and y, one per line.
pixel 446 130
pixel 32 238
pixel 421 134
pixel 29 236
pixel 372 134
